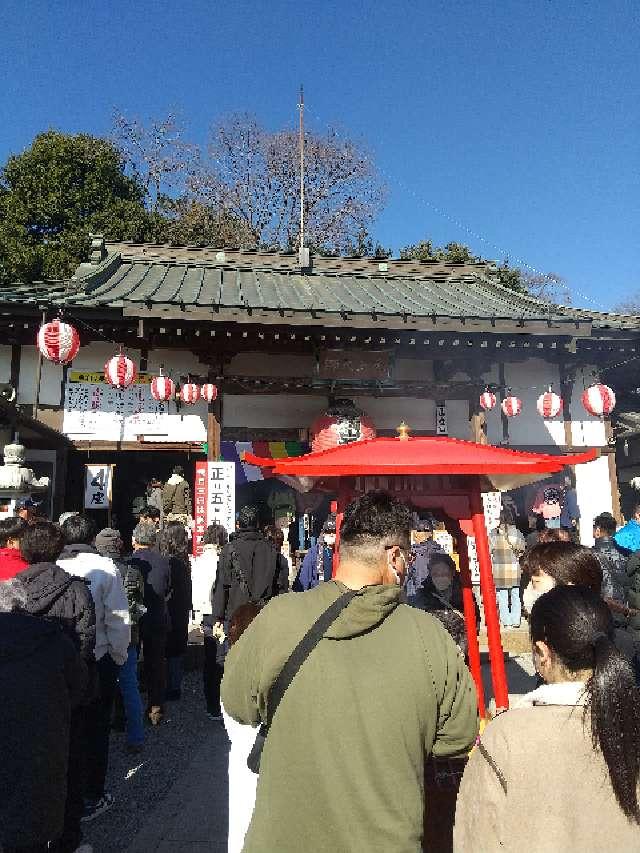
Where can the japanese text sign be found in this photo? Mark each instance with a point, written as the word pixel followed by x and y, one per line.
pixel 215 499
pixel 97 489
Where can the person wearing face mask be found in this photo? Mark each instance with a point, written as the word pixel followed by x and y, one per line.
pixel 561 771
pixel 557 563
pixel 317 566
pixel 442 590
pixel 382 687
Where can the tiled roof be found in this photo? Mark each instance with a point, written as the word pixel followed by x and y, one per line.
pixel 151 277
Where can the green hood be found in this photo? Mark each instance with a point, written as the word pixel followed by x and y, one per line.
pixel 370 607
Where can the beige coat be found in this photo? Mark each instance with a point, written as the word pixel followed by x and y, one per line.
pixel 554 793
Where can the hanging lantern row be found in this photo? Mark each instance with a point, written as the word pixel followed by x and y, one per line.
pixel 120 371
pixel 598 400
pixel 162 388
pixel 58 342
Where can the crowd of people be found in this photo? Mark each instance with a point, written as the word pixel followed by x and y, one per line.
pixel 374 699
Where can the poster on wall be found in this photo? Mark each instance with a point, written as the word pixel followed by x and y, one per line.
pixel 97 487
pixel 93 409
pixel 492 507
pixel 215 499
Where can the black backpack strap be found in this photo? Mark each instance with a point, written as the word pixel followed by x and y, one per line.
pixel 302 651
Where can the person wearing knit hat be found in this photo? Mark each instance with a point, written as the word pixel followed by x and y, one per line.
pixel 108 543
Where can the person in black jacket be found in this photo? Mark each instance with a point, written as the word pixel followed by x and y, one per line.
pixel 54 595
pixel 42 677
pixel 248 571
pixel 154 625
pixel 442 589
pixel 174 545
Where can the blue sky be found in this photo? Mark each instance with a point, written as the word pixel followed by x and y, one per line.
pixel 518 120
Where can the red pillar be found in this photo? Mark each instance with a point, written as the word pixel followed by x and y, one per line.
pixel 470 621
pixel 487 587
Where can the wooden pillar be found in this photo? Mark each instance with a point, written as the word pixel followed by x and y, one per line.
pixel 488 590
pixel 478 423
pixel 613 473
pixel 566 392
pixel 470 620
pixel 214 422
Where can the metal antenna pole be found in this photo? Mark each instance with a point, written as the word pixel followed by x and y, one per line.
pixel 301 108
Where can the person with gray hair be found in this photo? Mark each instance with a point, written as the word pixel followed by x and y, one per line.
pixel 154 625
pixel 42 677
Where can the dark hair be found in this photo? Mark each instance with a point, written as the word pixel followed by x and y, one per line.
pixel 566 562
pixel 441 557
pixel 240 620
pixel 173 541
pixel 150 512
pixel 454 624
pixel 11 528
pixel 215 534
pixel 179 470
pixel 606 522
pixel 375 515
pixel 41 542
pixel 541 524
pixel 274 534
pixel 79 530
pixel 577 626
pixel 248 518
pixel 329 525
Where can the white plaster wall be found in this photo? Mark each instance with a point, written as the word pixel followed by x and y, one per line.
pixel 594 494
pixel 50 380
pixel 458 419
pixel 389 412
pixel 529 380
pixel 271 411
pixel 5 364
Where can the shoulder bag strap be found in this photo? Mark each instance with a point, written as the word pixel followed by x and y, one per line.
pixel 302 651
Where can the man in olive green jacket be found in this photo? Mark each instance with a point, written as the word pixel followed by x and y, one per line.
pixel 343 766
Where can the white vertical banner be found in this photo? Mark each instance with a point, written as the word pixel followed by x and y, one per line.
pixel 215 499
pixel 442 426
pixel 97 486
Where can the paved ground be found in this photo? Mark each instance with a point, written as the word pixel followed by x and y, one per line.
pixel 173 798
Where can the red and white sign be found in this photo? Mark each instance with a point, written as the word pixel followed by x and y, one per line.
pixel 549 405
pixel 215 499
pixel 512 406
pixel 599 400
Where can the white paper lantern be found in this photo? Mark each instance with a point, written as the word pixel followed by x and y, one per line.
pixel 58 342
pixel 162 388
pixel 120 371
pixel 549 405
pixel 209 392
pixel 190 393
pixel 487 401
pixel 599 400
pixel 512 406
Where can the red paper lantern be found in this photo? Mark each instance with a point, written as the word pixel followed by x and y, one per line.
pixel 512 406
pixel 487 401
pixel 162 388
pixel 58 342
pixel 120 371
pixel 190 393
pixel 209 392
pixel 599 400
pixel 549 405
pixel 343 423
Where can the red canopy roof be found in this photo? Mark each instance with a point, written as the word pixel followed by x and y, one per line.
pixel 429 455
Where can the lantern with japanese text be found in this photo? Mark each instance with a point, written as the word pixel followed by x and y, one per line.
pixel 209 392
pixel 342 423
pixel 487 400
pixel 162 388
pixel 190 393
pixel 58 342
pixel 120 371
pixel 599 400
pixel 512 406
pixel 549 405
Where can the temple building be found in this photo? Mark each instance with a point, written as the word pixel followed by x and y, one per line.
pixel 367 342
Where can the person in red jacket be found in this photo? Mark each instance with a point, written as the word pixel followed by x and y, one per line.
pixel 11 562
